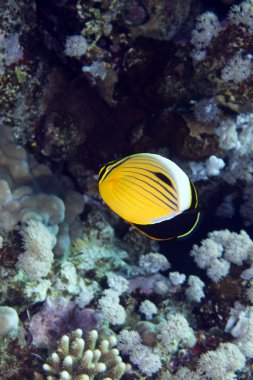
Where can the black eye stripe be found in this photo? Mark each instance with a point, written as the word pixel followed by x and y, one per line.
pixel 110 166
pixel 102 172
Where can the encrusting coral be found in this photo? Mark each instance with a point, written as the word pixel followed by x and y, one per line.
pixel 8 320
pixel 79 359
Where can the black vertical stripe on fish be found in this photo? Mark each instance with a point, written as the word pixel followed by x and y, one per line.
pixel 132 196
pixel 154 188
pixel 149 177
pixel 150 200
pixel 178 226
pixel 137 172
pixel 127 201
pixel 157 189
pixel 121 201
pixel 149 192
pixel 151 163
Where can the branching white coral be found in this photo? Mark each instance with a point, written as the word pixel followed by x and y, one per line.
pixel 228 136
pixel 175 331
pixel 195 292
pixel 117 282
pixel 237 69
pixel 148 362
pixel 207 111
pixel 237 322
pixel 207 27
pixel 206 252
pixel 218 269
pixel 85 297
pixel 153 262
pixel 148 308
pixel 222 363
pixel 220 249
pixel 77 358
pixel 242 14
pixel 240 325
pixel 37 258
pixel 237 247
pixel 76 46
pixel 129 343
pixel 177 278
pixel 236 138
pixel 127 340
pixel 96 69
pixel 111 308
pixel 203 170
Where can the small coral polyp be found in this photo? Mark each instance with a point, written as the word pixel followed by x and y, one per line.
pixel 79 359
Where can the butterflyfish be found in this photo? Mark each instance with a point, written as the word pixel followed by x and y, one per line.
pixel 152 193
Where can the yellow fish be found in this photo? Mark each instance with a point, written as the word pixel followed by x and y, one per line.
pixel 152 193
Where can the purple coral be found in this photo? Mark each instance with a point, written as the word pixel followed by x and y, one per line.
pixel 58 316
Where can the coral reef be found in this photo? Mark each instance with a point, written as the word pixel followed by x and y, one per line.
pixel 83 295
pixel 28 190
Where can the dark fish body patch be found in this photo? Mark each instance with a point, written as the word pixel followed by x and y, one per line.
pixel 180 225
